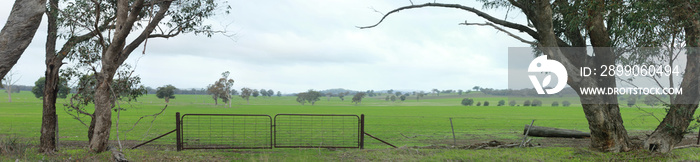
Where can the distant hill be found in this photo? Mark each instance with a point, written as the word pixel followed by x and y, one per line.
pixel 337 90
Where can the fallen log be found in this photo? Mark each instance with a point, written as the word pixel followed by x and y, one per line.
pixel 536 131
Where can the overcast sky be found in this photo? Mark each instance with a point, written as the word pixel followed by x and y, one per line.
pixel 293 46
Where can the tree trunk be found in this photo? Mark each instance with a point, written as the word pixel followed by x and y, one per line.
pixel 103 111
pixel 48 137
pixel 671 130
pixel 8 89
pixel 91 129
pixel 604 120
pixel 607 131
pixel 48 120
pixel 18 31
pixel 112 57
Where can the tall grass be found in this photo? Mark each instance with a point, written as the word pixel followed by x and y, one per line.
pixel 13 146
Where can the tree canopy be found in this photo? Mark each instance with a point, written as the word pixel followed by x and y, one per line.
pixel 221 89
pixel 166 92
pixel 310 96
pixel 246 93
pixel 38 89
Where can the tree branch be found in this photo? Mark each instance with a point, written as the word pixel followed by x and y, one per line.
pixel 165 35
pixel 72 41
pixel 153 115
pixel 519 27
pixel 76 118
pixel 145 33
pixel 501 29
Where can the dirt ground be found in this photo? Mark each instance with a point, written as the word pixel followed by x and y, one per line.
pixel 473 143
pixel 636 138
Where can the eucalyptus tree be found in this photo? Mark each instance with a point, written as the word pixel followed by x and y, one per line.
pixel 125 87
pixel 263 92
pixel 8 82
pixel 245 94
pixel 166 92
pixel 357 98
pixel 256 93
pixel 221 89
pixel 672 25
pixel 101 31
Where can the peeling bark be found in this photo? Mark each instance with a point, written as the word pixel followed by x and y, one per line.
pixel 18 31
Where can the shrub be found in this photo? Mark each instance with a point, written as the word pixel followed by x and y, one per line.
pixel 467 101
pixel 555 104
pixel 478 104
pixel 501 102
pixel 536 102
pixel 526 103
pixel 486 103
pixel 512 103
pixel 566 103
pixel 11 145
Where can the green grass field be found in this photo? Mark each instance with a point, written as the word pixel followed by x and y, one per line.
pixel 426 121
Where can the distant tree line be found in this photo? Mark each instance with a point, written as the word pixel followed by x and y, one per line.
pixel 535 102
pixel 18 88
pixel 200 91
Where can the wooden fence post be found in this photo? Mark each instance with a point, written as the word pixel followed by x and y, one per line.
pixel 178 131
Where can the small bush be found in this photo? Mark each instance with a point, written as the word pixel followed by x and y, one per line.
pixel 501 102
pixel 467 101
pixel 11 145
pixel 478 104
pixel 566 103
pixel 512 103
pixel 486 103
pixel 555 104
pixel 526 103
pixel 536 102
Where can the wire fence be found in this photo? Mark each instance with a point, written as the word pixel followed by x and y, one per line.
pixel 431 130
pixel 398 130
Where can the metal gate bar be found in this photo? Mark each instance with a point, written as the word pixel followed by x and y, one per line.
pixel 317 131
pixel 224 131
pixel 246 131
